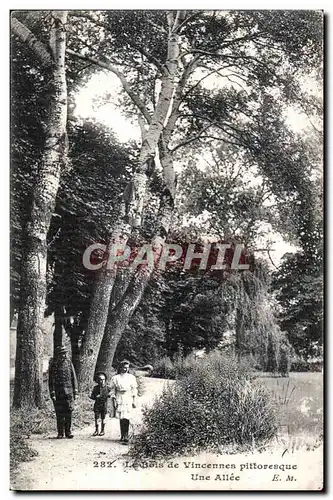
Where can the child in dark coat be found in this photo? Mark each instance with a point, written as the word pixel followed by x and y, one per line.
pixel 100 394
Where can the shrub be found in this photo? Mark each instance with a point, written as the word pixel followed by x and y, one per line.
pixel 22 424
pixel 20 450
pixel 299 364
pixel 164 368
pixel 218 403
pixel 179 367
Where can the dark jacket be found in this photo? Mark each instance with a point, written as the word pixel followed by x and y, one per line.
pixel 104 393
pixel 62 379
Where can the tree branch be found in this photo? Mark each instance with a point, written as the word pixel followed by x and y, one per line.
pixel 142 127
pixel 191 139
pixel 27 37
pixel 186 20
pixel 214 137
pixel 133 96
pixel 245 38
pixel 203 78
pixel 177 100
pixel 149 57
pixel 268 250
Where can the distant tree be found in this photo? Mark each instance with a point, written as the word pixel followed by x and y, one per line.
pixel 298 285
pixel 272 364
pixel 285 359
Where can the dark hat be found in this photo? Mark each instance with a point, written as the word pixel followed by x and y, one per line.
pixel 60 349
pixel 98 374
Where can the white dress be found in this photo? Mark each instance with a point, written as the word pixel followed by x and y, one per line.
pixel 123 388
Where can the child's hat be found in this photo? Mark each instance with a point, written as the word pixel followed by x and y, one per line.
pixel 98 374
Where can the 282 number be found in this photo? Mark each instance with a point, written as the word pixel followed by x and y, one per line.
pixel 102 464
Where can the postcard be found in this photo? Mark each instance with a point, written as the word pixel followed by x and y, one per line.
pixel 166 215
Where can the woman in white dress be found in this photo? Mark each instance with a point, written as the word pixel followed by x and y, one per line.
pixel 123 394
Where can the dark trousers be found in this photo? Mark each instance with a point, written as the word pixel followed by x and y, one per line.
pixel 124 427
pixel 63 409
pixel 100 411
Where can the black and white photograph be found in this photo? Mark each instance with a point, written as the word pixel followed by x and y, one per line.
pixel 166 250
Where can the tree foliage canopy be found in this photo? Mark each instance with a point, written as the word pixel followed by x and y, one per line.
pixel 241 165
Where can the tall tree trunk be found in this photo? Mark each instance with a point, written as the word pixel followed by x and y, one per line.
pixel 121 284
pixel 12 313
pixel 119 317
pixel 29 350
pixel 123 280
pixel 58 333
pixel 96 324
pixel 62 336
pixel 101 299
pixel 76 333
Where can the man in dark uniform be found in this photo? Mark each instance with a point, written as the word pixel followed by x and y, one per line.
pixel 63 390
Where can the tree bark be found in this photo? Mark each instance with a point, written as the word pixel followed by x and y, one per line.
pixel 29 350
pixel 25 35
pixel 123 280
pixel 58 327
pixel 119 317
pixel 101 299
pixel 75 334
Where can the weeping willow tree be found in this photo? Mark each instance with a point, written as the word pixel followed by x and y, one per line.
pixel 229 311
pixel 257 333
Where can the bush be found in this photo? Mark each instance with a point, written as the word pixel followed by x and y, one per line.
pixel 164 368
pixel 179 367
pixel 23 423
pixel 217 403
pixel 299 364
pixel 20 450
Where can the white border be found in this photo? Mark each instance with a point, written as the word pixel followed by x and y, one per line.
pixel 4 184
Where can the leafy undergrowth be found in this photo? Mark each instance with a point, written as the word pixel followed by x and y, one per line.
pixel 216 404
pixel 173 369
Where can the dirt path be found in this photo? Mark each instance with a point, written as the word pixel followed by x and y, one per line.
pixel 69 464
pixel 100 463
